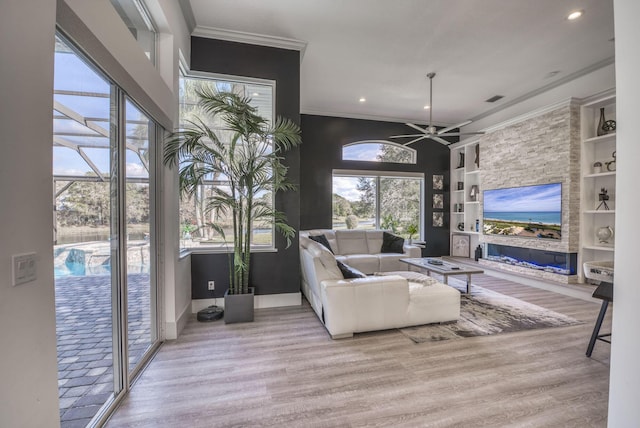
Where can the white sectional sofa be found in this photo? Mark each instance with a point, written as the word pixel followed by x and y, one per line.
pixel 347 306
pixel 360 249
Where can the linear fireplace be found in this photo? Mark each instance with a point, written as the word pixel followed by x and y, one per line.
pixel 541 260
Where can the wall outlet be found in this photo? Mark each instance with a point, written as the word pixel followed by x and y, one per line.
pixel 212 285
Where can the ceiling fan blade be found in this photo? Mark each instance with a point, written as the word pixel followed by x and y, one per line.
pixel 440 140
pixel 417 127
pixel 408 136
pixel 416 140
pixel 458 134
pixel 445 130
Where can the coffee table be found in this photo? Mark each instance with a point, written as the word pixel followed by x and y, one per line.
pixel 441 267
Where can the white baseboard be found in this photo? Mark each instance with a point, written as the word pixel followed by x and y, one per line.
pixel 174 328
pixel 259 301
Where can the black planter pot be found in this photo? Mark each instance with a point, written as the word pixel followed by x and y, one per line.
pixel 238 307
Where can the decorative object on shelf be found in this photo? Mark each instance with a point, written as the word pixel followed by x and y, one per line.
pixel 461 160
pixel 478 253
pixel 477 225
pixel 603 197
pixel 605 126
pixel 604 234
pixel 477 160
pixel 460 185
pixel 438 219
pixel 438 182
pixel 438 201
pixel 461 226
pixel 611 165
pixel 597 167
pixel 460 245
pixel 458 207
pixel 473 193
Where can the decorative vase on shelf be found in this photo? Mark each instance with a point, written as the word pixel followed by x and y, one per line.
pixel 600 131
pixel 460 160
pixel 604 234
pixel 605 126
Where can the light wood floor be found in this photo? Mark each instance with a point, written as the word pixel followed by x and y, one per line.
pixel 283 370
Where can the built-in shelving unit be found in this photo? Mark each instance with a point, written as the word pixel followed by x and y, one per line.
pixel 465 204
pixel 594 201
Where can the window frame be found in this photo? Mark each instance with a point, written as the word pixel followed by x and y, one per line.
pixel 386 174
pixel 413 152
pixel 185 73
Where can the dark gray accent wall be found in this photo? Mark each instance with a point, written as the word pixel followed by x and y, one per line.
pixel 321 153
pixel 271 273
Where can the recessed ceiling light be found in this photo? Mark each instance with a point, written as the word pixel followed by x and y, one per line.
pixel 427 107
pixel 552 74
pixel 362 99
pixel 255 94
pixel 575 15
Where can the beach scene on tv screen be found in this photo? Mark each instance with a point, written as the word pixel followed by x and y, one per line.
pixel 527 211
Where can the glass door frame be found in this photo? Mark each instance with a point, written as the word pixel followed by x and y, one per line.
pixel 122 377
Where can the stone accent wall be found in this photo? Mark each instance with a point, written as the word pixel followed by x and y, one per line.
pixel 538 150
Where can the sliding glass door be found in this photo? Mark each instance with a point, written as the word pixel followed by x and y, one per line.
pixel 104 240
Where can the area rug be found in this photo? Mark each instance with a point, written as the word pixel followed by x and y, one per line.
pixel 487 312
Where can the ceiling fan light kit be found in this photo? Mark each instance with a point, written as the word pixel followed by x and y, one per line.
pixel 431 132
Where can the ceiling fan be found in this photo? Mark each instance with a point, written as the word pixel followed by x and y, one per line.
pixel 431 132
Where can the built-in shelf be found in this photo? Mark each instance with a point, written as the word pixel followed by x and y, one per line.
pixel 598 248
pixel 597 152
pixel 465 172
pixel 601 138
pixel 600 174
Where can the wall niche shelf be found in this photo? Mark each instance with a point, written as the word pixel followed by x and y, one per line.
pixel 468 177
pixel 596 148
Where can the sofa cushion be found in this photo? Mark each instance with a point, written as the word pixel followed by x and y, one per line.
pixel 365 263
pixel 392 243
pixel 412 277
pixel 325 259
pixel 352 242
pixel 391 262
pixel 321 239
pixel 349 272
pixel 374 241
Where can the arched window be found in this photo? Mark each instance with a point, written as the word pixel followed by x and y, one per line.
pixel 378 151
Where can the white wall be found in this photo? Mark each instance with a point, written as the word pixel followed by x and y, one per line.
pixel 624 391
pixel 28 366
pixel 28 363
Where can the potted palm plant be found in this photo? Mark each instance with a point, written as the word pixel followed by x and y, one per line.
pixel 250 161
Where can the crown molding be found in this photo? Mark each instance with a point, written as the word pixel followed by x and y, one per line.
pixel 534 113
pixel 566 79
pixel 251 38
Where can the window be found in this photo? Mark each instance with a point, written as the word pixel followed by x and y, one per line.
pixel 378 200
pixel 195 231
pixel 378 151
pixel 137 18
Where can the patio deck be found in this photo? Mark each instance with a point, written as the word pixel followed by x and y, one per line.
pixel 85 341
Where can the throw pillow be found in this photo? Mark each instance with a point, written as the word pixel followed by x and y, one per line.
pixel 321 239
pixel 349 272
pixel 392 243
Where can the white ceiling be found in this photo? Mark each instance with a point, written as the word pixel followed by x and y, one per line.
pixel 383 49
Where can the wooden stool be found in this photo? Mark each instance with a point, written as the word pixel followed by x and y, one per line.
pixel 604 292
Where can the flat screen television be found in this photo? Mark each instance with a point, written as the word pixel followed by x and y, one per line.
pixel 526 211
